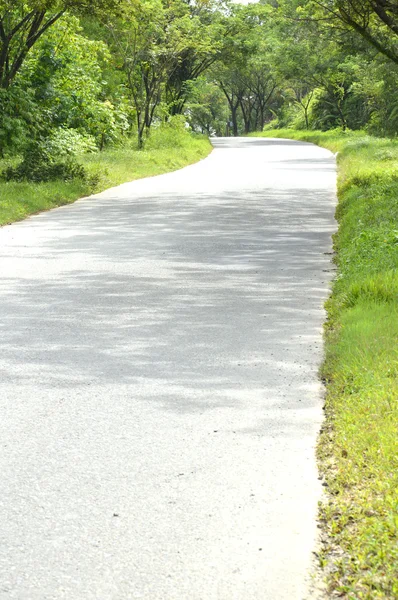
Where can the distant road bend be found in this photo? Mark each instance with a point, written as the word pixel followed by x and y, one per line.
pixel 159 395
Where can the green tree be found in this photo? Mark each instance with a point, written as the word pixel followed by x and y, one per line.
pixel 206 29
pixel 375 20
pixel 206 109
pixel 243 72
pixel 145 43
pixel 23 23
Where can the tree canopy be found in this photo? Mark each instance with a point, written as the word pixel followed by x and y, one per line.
pixel 103 71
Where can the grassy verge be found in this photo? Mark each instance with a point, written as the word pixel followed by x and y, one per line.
pixel 358 449
pixel 166 151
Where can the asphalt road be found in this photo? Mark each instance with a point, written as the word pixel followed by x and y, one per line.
pixel 159 399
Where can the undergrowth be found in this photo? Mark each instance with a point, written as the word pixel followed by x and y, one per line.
pixel 168 149
pixel 358 448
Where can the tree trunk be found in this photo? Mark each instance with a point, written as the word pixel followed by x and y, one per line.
pixel 246 118
pixel 234 117
pixel 36 27
pixel 140 130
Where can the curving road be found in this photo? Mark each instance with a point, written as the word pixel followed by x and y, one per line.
pixel 159 396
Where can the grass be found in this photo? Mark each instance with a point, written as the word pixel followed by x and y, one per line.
pixel 358 448
pixel 165 151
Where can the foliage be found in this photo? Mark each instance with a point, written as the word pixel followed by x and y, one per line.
pixel 104 169
pixel 206 110
pixel 161 48
pixel 68 142
pixel 22 25
pixel 61 86
pixel 41 163
pixel 245 71
pixel 375 20
pixel 65 70
pixel 19 115
pixel 115 68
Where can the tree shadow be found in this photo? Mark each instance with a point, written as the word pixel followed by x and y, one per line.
pixel 192 302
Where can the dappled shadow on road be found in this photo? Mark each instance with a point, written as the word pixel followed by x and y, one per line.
pixel 253 142
pixel 191 304
pixel 159 346
pixel 304 165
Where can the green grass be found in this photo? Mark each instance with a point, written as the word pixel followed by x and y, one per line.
pixel 358 448
pixel 165 151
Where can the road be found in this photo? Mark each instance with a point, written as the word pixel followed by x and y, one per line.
pixel 159 396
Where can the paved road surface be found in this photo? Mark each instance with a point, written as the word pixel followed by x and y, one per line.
pixel 159 400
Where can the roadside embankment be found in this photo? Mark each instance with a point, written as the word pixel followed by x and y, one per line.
pixel 358 447
pixel 165 151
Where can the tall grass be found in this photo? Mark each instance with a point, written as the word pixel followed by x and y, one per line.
pixel 358 448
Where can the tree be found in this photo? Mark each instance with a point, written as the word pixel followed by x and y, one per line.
pixel 207 26
pixel 232 86
pixel 243 71
pixel 145 43
pixel 22 24
pixel 375 20
pixel 261 83
pixel 206 109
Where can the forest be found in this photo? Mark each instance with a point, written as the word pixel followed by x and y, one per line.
pixel 79 77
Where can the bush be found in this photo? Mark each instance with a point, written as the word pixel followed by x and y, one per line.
pixel 39 163
pixel 69 142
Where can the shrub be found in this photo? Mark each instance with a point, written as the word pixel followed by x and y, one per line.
pixel 40 164
pixel 69 142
